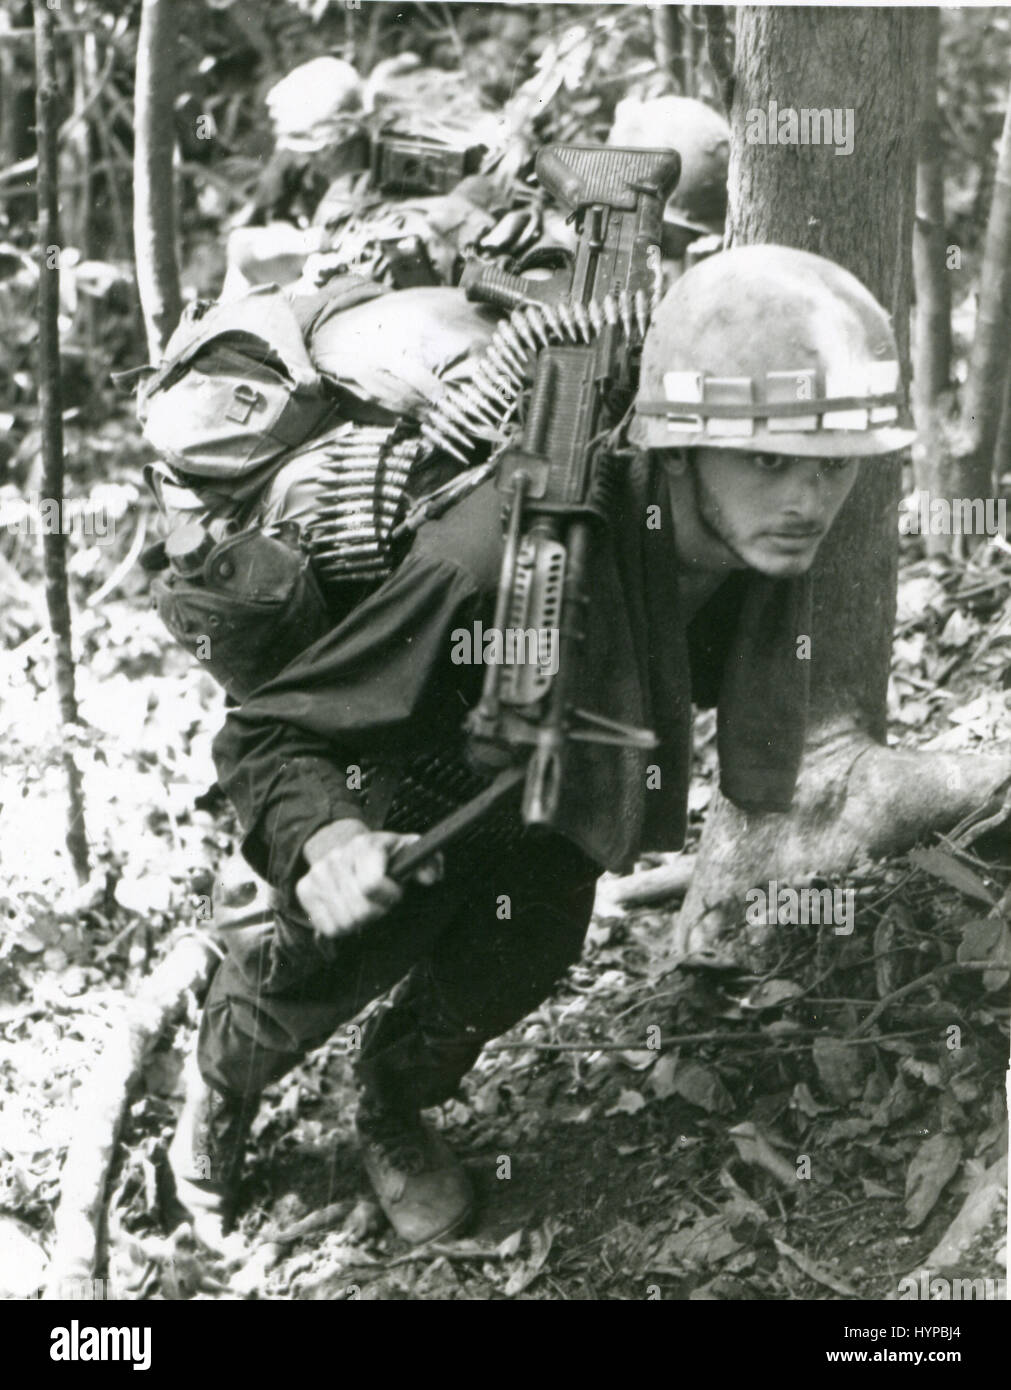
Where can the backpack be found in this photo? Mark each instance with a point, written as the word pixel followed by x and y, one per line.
pixel 283 483
pixel 236 388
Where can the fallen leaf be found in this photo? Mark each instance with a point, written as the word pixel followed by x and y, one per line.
pixel 661 1078
pixel 540 1248
pixel 944 866
pixel 934 1164
pixel 756 1150
pixel 875 1189
pixel 637 1058
pixel 957 630
pixel 701 1085
pixel 927 1072
pixel 770 994
pixel 814 1270
pixel 510 1246
pixel 629 1102
pixel 706 1242
pixel 806 1103
pixel 989 939
pixel 840 1068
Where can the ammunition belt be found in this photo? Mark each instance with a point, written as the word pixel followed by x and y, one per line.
pixel 475 406
pixel 366 494
pixel 359 503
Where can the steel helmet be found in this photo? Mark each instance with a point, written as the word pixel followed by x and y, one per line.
pixel 702 138
pixel 774 351
pixel 315 105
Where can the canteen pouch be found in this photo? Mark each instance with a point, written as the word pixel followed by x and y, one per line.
pixel 236 390
pixel 251 608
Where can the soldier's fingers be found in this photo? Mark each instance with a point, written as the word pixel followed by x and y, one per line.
pixel 341 906
pixel 370 876
pixel 355 908
pixel 335 903
pixel 428 873
pixel 431 871
pixel 320 908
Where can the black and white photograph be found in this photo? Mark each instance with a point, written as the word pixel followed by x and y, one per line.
pixel 505 664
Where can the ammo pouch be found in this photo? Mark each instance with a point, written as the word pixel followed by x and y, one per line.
pixel 248 610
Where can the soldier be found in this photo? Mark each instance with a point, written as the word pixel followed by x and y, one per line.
pixel 767 374
pixel 697 209
pixel 357 181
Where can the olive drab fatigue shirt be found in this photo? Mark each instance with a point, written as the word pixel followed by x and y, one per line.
pixel 382 687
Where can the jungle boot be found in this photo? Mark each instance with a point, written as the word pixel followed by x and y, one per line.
pixel 422 1186
pixel 206 1153
pixel 413 1057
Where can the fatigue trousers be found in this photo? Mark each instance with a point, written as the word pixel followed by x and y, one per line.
pixel 470 957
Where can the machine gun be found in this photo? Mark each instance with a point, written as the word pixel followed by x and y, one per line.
pixel 560 479
pixel 404 164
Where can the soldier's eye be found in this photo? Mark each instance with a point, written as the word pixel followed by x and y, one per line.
pixel 769 463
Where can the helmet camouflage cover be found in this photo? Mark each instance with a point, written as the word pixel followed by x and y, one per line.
pixel 770 350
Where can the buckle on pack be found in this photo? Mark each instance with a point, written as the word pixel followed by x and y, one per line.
pixel 244 401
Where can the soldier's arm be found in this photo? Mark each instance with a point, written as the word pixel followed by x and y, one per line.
pixel 381 684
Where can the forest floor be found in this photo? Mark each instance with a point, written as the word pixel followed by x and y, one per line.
pixel 649 1133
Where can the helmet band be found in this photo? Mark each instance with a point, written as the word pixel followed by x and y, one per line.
pixel 727 405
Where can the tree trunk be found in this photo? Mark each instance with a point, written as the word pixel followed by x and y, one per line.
pixel 667 44
pixel 54 542
pixel 854 796
pixel 688 50
pixel 991 344
pixel 719 49
pixel 9 151
pixel 932 322
pixel 154 188
pixel 1002 449
pixel 16 108
pixel 965 454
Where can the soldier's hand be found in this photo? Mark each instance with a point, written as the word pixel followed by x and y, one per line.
pixel 348 884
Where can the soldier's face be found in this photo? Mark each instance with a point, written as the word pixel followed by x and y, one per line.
pixel 771 510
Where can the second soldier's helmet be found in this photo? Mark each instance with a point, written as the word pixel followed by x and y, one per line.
pixel 313 106
pixel 702 138
pixel 770 350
